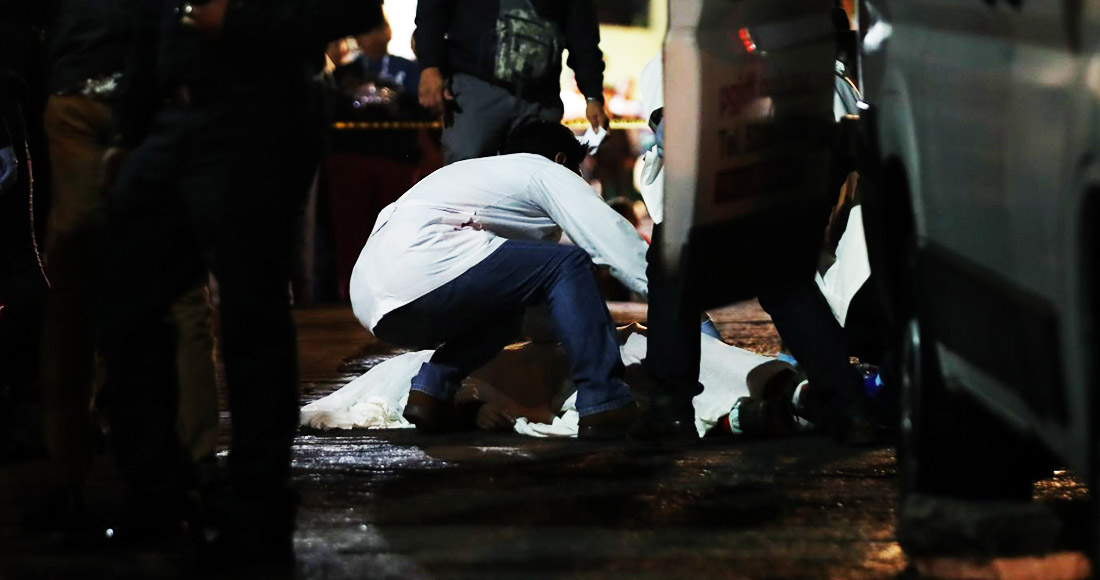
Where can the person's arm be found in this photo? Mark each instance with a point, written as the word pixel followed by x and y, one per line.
pixel 582 38
pixel 607 237
pixel 301 24
pixel 433 18
pixel 9 163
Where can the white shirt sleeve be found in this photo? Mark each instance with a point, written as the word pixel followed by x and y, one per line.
pixel 596 228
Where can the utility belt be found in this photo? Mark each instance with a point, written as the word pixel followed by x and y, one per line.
pixel 535 91
pixel 528 90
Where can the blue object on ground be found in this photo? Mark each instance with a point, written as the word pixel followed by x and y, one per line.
pixel 872 381
pixel 787 358
pixel 709 329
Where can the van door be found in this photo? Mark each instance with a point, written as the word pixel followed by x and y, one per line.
pixel 961 108
pixel 963 112
pixel 1050 113
pixel 1041 140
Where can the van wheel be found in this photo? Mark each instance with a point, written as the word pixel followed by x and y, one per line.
pixel 949 445
pixel 926 459
pixel 965 478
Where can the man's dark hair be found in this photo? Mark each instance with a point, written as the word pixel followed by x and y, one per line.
pixel 546 138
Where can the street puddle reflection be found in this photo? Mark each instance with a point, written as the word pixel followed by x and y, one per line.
pixel 325 454
pixel 507 451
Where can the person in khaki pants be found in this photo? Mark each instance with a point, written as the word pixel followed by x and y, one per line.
pixel 79 129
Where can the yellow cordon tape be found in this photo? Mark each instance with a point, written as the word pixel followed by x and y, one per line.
pixel 386 125
pixel 615 124
pixel 408 125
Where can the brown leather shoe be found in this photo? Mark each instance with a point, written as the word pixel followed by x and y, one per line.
pixel 609 425
pixel 429 414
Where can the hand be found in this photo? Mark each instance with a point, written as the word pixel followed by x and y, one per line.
pixel 597 116
pixel 9 168
pixel 494 417
pixel 209 17
pixel 113 160
pixel 433 92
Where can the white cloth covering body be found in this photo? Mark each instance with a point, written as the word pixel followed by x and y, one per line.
pixel 376 399
pixel 457 216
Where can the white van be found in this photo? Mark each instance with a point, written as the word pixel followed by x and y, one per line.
pixel 981 218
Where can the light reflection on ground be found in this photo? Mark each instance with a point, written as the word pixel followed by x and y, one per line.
pixel 319 453
pixel 1061 486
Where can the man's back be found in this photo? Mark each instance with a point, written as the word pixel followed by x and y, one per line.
pixel 459 215
pixel 478 194
pixel 452 220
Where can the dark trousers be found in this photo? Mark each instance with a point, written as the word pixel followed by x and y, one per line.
pixel 476 315
pixel 483 114
pixel 217 189
pixel 78 131
pixel 801 316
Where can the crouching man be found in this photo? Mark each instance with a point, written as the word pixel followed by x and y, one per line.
pixel 455 262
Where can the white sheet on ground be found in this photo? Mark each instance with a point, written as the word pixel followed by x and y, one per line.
pixel 376 399
pixel 723 371
pixel 566 424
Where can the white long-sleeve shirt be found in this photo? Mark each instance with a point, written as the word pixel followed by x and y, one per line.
pixel 459 215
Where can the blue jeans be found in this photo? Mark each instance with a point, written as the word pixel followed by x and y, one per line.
pixel 473 317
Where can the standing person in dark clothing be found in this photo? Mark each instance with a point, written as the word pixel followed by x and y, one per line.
pixel 495 63
pixel 800 312
pixel 836 404
pixel 217 180
pixel 22 282
pixel 85 54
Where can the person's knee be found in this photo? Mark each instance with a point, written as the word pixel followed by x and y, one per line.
pixel 575 257
pixel 407 330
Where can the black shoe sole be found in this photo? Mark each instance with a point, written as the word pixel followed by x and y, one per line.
pixel 601 434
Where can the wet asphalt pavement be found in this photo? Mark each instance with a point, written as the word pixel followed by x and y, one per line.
pixel 395 504
pixel 494 507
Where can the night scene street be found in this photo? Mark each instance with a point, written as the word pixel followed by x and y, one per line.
pixel 523 289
